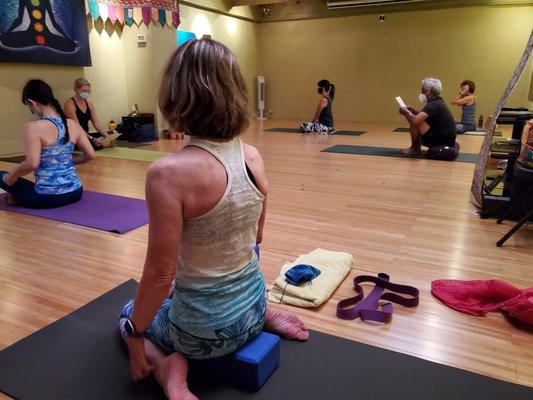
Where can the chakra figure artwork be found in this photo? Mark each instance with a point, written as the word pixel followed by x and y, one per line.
pixel 44 31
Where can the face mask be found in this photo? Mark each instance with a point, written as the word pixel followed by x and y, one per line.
pixel 32 111
pixel 422 97
pixel 301 273
pixel 84 95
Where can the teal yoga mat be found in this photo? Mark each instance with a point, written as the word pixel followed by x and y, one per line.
pixel 388 152
pixel 297 130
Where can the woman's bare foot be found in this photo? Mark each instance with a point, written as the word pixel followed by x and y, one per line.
pixel 171 373
pixel 286 324
pixel 411 151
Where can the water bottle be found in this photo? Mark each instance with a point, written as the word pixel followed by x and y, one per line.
pixel 480 122
pixel 111 125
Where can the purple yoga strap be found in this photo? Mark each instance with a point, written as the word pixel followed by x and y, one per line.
pixel 366 308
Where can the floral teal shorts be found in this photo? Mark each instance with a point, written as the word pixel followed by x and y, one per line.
pixel 212 344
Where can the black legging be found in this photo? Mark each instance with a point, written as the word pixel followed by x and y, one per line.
pixel 24 195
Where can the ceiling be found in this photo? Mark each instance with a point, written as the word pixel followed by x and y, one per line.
pixel 281 10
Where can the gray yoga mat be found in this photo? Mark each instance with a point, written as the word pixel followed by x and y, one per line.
pixel 297 130
pixel 389 152
pixel 480 132
pixel 81 356
pixel 14 159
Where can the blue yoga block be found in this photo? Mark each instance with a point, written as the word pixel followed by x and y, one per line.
pixel 248 368
pixel 252 364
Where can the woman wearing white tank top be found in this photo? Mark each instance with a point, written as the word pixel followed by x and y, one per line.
pixel 207 206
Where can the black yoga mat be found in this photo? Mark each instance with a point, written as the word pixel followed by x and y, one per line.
pixel 389 152
pixel 82 357
pixel 297 130
pixel 479 132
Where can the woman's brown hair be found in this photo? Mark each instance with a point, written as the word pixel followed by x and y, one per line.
pixel 202 91
pixel 470 84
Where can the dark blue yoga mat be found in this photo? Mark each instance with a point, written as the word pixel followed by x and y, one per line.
pixel 389 152
pixel 102 211
pixel 297 130
pixel 81 356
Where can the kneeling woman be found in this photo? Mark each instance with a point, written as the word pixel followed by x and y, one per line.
pixel 48 144
pixel 322 122
pixel 207 209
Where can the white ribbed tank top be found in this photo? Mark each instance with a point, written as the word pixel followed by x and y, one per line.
pixel 220 241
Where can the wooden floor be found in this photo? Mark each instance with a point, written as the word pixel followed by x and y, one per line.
pixel 408 218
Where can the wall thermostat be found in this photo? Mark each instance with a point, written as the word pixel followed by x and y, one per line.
pixel 142 38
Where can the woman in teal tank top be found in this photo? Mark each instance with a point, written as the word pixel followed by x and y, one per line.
pixel 467 101
pixel 48 144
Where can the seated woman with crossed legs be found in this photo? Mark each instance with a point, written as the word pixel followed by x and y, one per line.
pixel 207 208
pixel 79 109
pixel 467 101
pixel 48 144
pixel 322 121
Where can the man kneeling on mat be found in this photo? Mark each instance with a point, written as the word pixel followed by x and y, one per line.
pixel 433 125
pixel 48 144
pixel 207 209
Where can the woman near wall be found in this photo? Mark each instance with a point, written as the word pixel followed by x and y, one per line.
pixel 48 144
pixel 467 101
pixel 207 209
pixel 322 121
pixel 79 109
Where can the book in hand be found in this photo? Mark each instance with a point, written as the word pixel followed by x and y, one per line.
pixel 400 102
pixel 106 141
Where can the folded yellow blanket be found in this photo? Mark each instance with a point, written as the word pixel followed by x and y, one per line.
pixel 333 265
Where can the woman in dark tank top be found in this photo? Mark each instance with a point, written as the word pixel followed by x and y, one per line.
pixel 322 121
pixel 83 116
pixel 82 111
pixel 467 101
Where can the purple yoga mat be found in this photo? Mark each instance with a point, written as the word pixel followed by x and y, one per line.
pixel 96 210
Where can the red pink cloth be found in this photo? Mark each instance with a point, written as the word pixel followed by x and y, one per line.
pixel 478 297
